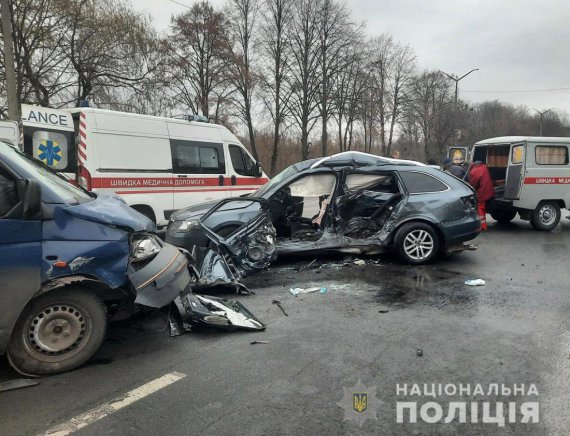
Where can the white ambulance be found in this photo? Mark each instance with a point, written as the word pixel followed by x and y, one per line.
pixel 531 177
pixel 158 165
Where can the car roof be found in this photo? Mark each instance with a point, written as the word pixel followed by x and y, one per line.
pixel 358 159
pixel 511 139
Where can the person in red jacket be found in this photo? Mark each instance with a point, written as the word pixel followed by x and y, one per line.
pixel 480 178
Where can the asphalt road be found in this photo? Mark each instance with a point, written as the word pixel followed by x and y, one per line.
pixel 369 326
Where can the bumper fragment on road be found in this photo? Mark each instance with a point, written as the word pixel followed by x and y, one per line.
pixel 114 405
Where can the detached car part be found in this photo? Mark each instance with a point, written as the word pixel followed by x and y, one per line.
pixel 192 309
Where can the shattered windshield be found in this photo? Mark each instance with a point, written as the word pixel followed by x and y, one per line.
pixel 276 181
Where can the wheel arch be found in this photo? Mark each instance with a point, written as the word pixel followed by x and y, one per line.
pixel 558 201
pixel 91 284
pixel 411 220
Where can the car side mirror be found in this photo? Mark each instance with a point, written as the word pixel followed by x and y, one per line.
pixel 32 198
pixel 258 169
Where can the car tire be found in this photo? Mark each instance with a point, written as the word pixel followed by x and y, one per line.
pixel 546 216
pixel 503 216
pixel 57 332
pixel 416 243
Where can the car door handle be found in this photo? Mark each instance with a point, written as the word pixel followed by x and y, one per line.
pixel 182 175
pixel 221 180
pixel 234 180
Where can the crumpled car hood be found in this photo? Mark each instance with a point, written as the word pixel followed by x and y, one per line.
pixel 112 210
pixel 195 211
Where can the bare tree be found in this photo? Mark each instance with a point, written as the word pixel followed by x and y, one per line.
pixel 276 55
pixel 349 90
pixel 304 79
pixel 336 32
pixel 242 23
pixel 401 74
pixel 198 58
pixel 108 46
pixel 431 105
pixel 37 34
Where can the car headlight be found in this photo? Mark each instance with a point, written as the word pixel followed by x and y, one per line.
pixel 185 225
pixel 144 247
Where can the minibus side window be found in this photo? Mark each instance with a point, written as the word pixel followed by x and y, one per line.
pixel 8 193
pixel 551 155
pixel 191 157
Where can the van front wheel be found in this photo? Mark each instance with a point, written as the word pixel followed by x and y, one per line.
pixel 56 332
pixel 546 215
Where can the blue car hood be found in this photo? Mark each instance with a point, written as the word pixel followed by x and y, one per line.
pixel 112 210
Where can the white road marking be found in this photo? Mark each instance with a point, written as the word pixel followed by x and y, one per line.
pixel 112 406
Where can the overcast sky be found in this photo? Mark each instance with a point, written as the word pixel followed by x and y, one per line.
pixel 518 45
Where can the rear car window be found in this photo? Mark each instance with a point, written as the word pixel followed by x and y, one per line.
pixel 551 155
pixel 417 183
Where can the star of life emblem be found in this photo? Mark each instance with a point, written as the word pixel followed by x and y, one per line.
pixel 360 403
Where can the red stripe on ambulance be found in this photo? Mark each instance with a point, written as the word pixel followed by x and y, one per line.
pixel 171 182
pixel 173 191
pixel 547 180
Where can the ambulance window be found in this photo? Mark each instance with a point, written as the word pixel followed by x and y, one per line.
pixel 53 148
pixel 189 157
pixel 242 163
pixel 517 156
pixel 551 155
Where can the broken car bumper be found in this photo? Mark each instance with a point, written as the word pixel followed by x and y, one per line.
pixel 160 281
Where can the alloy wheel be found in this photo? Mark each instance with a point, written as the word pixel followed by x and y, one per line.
pixel 418 244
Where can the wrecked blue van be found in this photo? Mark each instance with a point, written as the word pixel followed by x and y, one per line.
pixel 69 259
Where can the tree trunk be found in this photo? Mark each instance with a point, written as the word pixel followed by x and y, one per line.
pixel 250 128
pixel 10 71
pixel 304 142
pixel 324 134
pixel 275 151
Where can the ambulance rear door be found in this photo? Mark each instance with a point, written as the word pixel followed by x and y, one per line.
pixel 49 137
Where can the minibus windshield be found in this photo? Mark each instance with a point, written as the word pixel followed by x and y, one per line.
pixel 57 183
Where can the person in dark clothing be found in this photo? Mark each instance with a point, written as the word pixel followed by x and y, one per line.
pixel 450 167
pixel 480 178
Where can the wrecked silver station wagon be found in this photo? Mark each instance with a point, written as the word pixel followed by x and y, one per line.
pixel 353 202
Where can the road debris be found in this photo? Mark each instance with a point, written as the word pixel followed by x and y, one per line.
pixel 304 267
pixel 193 309
pixel 17 384
pixel 419 352
pixel 258 342
pixel 278 304
pixel 297 291
pixel 475 282
pixel 383 311
pixel 359 262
